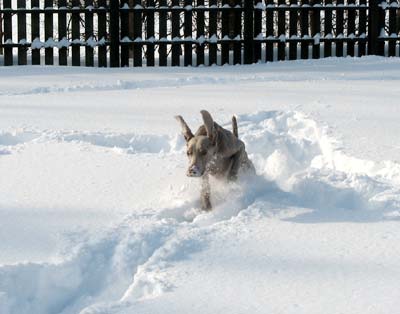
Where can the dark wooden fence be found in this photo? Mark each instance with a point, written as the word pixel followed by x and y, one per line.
pixel 193 32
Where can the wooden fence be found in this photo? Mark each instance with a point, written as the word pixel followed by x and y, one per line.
pixel 193 32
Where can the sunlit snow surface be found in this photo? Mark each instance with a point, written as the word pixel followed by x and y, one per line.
pixel 97 215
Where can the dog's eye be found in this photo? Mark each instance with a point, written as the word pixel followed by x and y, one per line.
pixel 188 153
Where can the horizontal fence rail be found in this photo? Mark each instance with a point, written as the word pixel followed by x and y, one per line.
pixel 193 32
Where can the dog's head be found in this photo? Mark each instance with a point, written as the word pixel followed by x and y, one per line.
pixel 200 147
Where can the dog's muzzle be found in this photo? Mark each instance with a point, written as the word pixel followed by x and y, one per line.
pixel 194 171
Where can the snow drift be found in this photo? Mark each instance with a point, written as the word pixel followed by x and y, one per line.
pixel 303 176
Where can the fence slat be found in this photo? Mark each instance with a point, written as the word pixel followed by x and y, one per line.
pixel 257 31
pixel 213 36
pixel 315 23
pixel 188 33
pixel 62 33
pixel 150 35
pixel 351 28
pixel 162 48
pixel 328 30
pixel 281 31
pixel 176 47
pixel 225 34
pixel 293 18
pixel 236 25
pixel 1 32
pixel 248 32
pixel 269 46
pixel 339 29
pixel 137 36
pixel 362 28
pixel 22 55
pixel 35 33
pixel 102 34
pixel 7 18
pixel 76 35
pixel 114 34
pixel 377 22
pixel 48 34
pixel 89 33
pixel 304 30
pixel 200 34
pixel 124 19
pixel 392 31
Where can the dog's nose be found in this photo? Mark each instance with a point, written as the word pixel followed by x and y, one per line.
pixel 193 171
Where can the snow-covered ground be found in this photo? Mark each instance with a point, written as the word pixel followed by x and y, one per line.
pixel 98 217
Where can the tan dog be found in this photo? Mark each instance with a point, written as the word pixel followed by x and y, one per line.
pixel 214 151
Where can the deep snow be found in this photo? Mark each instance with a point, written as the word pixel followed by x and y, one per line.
pixel 97 215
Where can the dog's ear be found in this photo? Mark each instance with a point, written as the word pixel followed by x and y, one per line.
pixel 187 133
pixel 235 127
pixel 209 124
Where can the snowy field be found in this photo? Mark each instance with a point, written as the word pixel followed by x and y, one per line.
pixel 98 217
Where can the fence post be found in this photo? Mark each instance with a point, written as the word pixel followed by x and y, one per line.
pixel 114 33
pixel 376 21
pixel 7 35
pixel 248 32
pixel 1 32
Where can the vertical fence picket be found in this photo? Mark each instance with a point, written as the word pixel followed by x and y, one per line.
pixel 89 33
pixel 392 32
pixel 315 23
pixel 351 28
pixel 7 18
pixel 137 35
pixel 237 32
pixel 257 29
pixel 48 34
pixel 1 31
pixel 376 22
pixel 125 40
pixel 200 34
pixel 21 16
pixel 248 32
pixel 362 28
pixel 150 34
pixel 269 32
pixel 62 33
pixel 162 24
pixel 281 31
pixel 328 30
pixel 114 34
pixel 76 34
pixel 188 16
pixel 225 34
pixel 293 18
pixel 304 30
pixel 102 34
pixel 213 36
pixel 35 33
pixel 339 28
pixel 176 46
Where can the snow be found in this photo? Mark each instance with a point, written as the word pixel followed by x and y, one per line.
pixel 97 215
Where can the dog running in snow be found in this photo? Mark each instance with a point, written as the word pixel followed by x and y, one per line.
pixel 214 151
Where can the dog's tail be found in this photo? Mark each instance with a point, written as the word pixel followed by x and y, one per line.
pixel 235 127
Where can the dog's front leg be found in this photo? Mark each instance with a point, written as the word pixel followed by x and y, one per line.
pixel 205 193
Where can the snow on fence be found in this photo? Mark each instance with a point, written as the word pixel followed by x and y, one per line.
pixel 193 32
